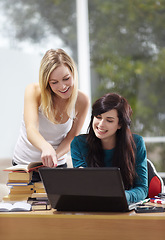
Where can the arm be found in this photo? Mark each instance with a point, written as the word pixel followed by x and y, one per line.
pixel 140 190
pixel 79 151
pixel 31 103
pixel 81 108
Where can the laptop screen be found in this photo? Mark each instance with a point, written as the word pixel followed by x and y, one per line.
pixel 84 189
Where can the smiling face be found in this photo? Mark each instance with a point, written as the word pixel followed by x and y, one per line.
pixel 105 126
pixel 61 82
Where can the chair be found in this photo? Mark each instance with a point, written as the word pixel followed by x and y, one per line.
pixel 155 182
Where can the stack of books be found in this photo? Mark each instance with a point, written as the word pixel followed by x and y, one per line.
pixel 23 189
pixel 39 192
pixel 19 181
pixel 39 199
pixel 39 205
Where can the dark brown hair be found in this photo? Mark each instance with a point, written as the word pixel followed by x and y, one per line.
pixel 124 153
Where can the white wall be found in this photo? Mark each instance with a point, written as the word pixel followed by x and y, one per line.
pixel 17 69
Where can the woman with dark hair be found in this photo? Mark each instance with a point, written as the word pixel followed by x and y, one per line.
pixel 110 143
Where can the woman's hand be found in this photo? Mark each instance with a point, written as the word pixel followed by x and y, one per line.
pixel 49 157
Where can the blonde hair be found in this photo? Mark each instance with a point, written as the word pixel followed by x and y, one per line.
pixel 51 60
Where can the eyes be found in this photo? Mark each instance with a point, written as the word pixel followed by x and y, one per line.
pixel 108 119
pixel 98 117
pixel 55 82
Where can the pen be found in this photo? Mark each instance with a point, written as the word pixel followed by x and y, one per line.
pixel 145 200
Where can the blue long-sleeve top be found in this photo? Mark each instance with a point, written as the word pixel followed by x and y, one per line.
pixel 139 191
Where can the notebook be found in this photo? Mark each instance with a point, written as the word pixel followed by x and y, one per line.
pixel 85 189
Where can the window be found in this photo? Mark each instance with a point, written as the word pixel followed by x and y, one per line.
pixel 27 30
pixel 127 56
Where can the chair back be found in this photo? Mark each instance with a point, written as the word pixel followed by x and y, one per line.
pixel 155 182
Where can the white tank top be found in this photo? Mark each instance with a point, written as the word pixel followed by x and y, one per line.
pixel 25 152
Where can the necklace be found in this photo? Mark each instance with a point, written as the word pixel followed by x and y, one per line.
pixel 61 117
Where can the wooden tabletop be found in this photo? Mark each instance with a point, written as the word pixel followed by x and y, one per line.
pixel 77 225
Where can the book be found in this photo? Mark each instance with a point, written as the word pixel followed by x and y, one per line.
pixel 39 187
pixel 19 176
pixel 33 166
pixel 23 188
pixel 39 196
pixel 39 190
pixel 16 207
pixel 21 191
pixel 11 184
pixel 40 205
pixel 16 197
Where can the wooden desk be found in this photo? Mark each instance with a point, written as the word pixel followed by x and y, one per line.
pixel 76 226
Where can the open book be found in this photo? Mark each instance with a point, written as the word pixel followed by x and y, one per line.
pixel 33 166
pixel 15 207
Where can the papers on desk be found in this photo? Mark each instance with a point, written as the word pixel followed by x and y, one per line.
pixel 160 199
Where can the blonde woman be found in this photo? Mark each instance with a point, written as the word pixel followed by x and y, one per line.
pixel 54 112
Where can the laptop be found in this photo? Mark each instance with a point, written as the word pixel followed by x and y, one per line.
pixel 85 189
